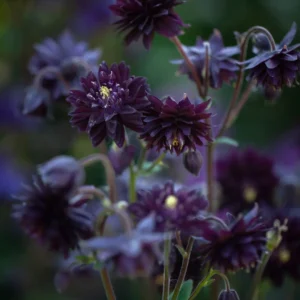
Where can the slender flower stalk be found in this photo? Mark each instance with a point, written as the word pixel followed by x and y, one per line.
pixel 258 275
pixel 238 86
pixel 166 286
pixel 156 163
pixel 109 171
pixel 132 183
pixel 184 267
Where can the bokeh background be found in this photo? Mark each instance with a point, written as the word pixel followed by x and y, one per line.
pixel 26 270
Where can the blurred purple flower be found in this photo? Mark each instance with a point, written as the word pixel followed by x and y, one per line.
pixel 91 15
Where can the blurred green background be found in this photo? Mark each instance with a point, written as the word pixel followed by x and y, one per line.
pixel 26 270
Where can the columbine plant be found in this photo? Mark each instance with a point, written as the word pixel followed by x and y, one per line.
pixel 165 225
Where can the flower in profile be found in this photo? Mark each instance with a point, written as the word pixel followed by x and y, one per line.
pixel 57 66
pixel 222 67
pixel 53 214
pixel 173 209
pixel 121 158
pixel 236 245
pixel 108 102
pixel 192 161
pixel 246 178
pixel 132 254
pixel 285 260
pixel 276 68
pixel 176 126
pixel 140 18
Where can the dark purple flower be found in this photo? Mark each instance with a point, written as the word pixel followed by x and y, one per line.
pixel 130 255
pixel 222 67
pixel 173 209
pixel 228 295
pixel 277 68
pixel 140 18
pixel 109 102
pixel 237 245
pixel 285 259
pixel 121 158
pixel 61 62
pixel 53 214
pixel 175 126
pixel 246 178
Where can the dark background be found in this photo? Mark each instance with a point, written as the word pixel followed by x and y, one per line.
pixel 26 270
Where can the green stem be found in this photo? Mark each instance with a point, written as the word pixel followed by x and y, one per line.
pixel 141 158
pixel 155 163
pixel 244 46
pixel 132 183
pixel 184 267
pixel 258 275
pixel 166 286
pixel 109 291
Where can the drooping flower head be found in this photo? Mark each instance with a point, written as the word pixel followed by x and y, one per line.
pixel 222 67
pixel 173 126
pixel 129 255
pixel 238 245
pixel 246 178
pixel 108 102
pixel 65 54
pixel 276 68
pixel 52 213
pixel 173 209
pixel 144 18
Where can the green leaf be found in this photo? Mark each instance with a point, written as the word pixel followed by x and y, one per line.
pixel 185 291
pixel 227 141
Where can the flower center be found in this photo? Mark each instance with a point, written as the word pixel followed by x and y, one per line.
pixel 249 194
pixel 284 255
pixel 171 202
pixel 104 92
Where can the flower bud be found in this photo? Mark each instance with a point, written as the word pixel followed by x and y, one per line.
pixel 228 295
pixel 62 172
pixel 192 161
pixel 260 43
pixel 121 158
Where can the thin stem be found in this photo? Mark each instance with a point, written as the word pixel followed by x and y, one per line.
pixel 155 163
pixel 189 64
pixel 166 286
pixel 224 277
pixel 244 98
pixel 141 158
pixel 109 171
pixel 200 285
pixel 109 290
pixel 209 172
pixel 108 287
pixel 132 183
pixel 243 54
pixel 258 275
pixel 178 239
pixel 184 267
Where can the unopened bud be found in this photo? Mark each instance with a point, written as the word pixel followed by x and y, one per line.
pixel 192 161
pixel 228 295
pixel 260 43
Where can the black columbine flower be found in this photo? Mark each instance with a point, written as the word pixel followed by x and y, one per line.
pixel 238 245
pixel 173 209
pixel 222 67
pixel 246 178
pixel 132 254
pixel 52 213
pixel 140 18
pixel 67 57
pixel 175 126
pixel 277 68
pixel 108 102
pixel 285 259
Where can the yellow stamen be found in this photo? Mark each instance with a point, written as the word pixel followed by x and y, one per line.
pixel 104 92
pixel 171 202
pixel 284 255
pixel 175 142
pixel 250 194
